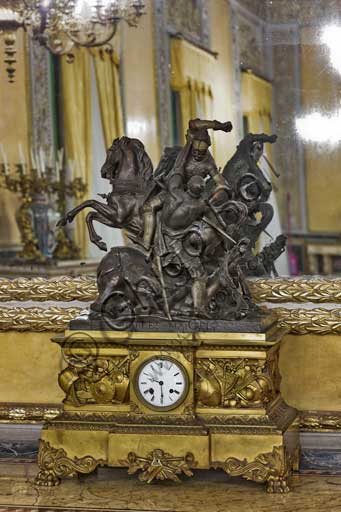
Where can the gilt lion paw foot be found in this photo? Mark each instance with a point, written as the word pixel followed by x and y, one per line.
pixel 46 479
pixel 277 485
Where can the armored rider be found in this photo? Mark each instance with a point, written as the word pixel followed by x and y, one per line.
pixel 194 159
pixel 178 234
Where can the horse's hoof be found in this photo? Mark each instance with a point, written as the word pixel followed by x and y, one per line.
pixel 62 222
pixel 102 246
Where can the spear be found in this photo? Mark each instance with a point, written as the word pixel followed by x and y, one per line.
pixel 164 294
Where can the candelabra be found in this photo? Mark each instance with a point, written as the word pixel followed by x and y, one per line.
pixel 43 190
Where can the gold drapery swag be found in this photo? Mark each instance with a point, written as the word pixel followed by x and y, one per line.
pixel 77 107
pixel 77 120
pixel 191 69
pixel 257 106
pixel 108 84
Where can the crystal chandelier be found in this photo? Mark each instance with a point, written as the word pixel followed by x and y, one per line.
pixel 61 25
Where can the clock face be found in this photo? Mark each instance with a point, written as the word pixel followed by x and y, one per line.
pixel 162 383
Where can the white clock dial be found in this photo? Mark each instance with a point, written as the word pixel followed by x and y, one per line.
pixel 162 383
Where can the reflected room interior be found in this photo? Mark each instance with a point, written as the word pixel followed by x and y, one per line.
pixel 68 93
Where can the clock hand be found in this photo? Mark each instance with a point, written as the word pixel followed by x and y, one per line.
pixel 161 385
pixel 151 378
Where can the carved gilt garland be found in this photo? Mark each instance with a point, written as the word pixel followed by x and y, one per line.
pixel 83 288
pixel 53 319
pixel 310 321
pixel 298 321
pixel 39 289
pixel 296 290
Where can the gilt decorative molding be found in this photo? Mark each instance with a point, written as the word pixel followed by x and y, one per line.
pixel 159 465
pixel 230 383
pixel 83 288
pixel 41 289
pixel 99 380
pixel 28 413
pixel 310 321
pixel 54 464
pixel 320 421
pixel 296 290
pixel 272 468
pixel 53 319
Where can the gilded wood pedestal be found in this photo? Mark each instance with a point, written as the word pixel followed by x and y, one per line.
pixel 232 415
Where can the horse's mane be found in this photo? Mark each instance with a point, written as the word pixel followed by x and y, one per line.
pixel 145 163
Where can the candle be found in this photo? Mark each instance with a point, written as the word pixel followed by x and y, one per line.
pixel 37 159
pixel 61 158
pixel 42 160
pixel 51 158
pixel 33 160
pixel 4 158
pixel 21 158
pixel 57 171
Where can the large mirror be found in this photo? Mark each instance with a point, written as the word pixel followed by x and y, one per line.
pixel 268 66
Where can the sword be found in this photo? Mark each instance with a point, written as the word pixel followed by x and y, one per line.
pixel 217 228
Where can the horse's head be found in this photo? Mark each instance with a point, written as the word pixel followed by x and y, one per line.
pixel 243 172
pixel 127 160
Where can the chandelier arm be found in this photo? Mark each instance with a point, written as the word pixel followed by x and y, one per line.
pixel 95 43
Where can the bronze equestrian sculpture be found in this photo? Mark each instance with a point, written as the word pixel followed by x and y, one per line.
pixel 192 230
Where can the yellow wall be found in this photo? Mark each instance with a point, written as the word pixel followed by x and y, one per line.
pixel 224 104
pixel 14 128
pixel 140 83
pixel 310 369
pixel 29 367
pixel 321 93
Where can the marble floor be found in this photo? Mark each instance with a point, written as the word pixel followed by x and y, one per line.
pixel 208 491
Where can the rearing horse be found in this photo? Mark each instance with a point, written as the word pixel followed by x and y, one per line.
pixel 130 172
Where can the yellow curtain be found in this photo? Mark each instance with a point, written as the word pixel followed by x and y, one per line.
pixel 108 85
pixel 191 70
pixel 257 106
pixel 76 97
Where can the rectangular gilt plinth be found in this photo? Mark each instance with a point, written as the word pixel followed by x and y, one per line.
pixel 223 408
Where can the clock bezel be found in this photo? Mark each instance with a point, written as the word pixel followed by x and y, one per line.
pixel 157 407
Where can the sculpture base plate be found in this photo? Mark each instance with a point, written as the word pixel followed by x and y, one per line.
pixel 258 322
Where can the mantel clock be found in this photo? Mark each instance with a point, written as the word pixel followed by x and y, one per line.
pixel 174 367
